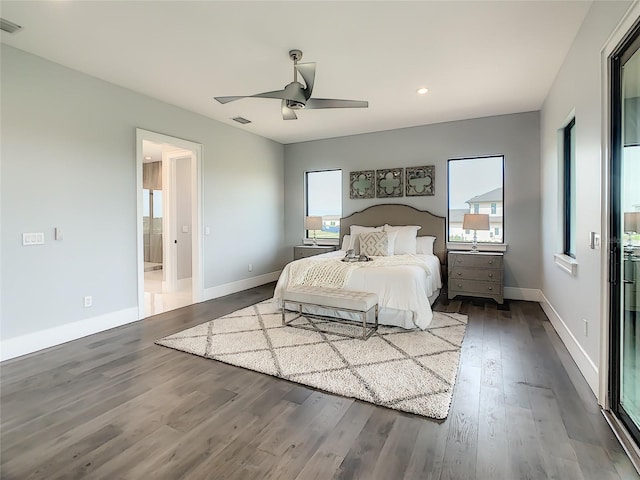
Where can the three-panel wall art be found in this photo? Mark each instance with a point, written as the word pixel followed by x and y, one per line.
pixel 393 182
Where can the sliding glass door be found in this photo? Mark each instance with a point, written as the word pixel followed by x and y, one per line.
pixel 625 234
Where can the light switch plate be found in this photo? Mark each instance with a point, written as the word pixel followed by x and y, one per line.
pixel 33 238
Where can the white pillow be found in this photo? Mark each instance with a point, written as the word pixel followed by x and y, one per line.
pixel 406 240
pixel 355 230
pixel 424 245
pixel 346 241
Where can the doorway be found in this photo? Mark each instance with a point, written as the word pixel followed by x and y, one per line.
pixel 169 223
pixel 624 244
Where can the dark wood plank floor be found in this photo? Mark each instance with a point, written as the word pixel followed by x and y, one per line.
pixel 116 406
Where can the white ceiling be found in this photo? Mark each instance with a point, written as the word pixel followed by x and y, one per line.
pixel 477 58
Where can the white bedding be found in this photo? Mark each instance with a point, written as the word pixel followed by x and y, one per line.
pixel 403 291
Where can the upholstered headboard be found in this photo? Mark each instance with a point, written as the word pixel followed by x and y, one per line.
pixel 395 214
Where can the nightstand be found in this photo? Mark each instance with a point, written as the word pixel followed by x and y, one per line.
pixel 476 275
pixel 303 251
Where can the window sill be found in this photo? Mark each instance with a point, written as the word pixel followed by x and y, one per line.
pixel 329 242
pixel 482 247
pixel 566 263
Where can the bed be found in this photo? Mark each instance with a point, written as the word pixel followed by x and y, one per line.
pixel 407 285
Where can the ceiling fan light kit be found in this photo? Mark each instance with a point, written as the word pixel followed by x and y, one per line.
pixel 296 96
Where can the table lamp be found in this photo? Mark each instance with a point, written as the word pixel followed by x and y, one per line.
pixel 313 224
pixel 475 222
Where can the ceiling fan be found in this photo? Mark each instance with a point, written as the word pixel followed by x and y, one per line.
pixel 296 96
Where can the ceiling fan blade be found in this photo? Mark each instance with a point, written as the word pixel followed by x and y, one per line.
pixel 293 91
pixel 281 94
pixel 227 99
pixel 335 103
pixel 287 113
pixel 308 73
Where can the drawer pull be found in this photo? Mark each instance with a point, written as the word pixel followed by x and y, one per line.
pixel 459 261
pixel 490 262
pixel 459 285
pixel 459 273
pixel 490 288
pixel 491 275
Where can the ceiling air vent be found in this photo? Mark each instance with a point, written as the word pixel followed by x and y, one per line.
pixel 7 26
pixel 241 120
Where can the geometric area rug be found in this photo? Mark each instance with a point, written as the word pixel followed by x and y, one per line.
pixel 408 370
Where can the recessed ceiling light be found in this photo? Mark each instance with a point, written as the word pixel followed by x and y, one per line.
pixel 147 158
pixel 423 90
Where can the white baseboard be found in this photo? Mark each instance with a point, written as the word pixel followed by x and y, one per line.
pixel 527 294
pixel 233 287
pixel 586 366
pixel 32 342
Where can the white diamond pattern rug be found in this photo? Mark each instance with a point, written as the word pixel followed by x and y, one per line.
pixel 409 370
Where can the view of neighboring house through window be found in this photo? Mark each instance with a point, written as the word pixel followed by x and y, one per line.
pixel 570 189
pixel 324 199
pixel 476 186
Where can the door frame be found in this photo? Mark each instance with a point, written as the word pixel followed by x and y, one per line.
pixel 196 150
pixel 617 38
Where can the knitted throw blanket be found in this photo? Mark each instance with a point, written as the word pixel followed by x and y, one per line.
pixel 334 273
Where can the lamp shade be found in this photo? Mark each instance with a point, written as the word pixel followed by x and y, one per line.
pixel 632 222
pixel 475 221
pixel 313 223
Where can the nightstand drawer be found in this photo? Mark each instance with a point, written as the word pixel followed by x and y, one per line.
pixel 471 286
pixel 476 260
pixel 304 251
pixel 485 274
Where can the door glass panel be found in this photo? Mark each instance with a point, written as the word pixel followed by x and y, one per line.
pixel 630 205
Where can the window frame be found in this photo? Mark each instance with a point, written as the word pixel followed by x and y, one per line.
pixel 490 245
pixel 307 238
pixel 568 234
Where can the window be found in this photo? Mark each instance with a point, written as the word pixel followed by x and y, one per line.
pixel 476 186
pixel 324 199
pixel 569 144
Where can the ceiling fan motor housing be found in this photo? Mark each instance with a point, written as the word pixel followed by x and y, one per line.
pixel 295 105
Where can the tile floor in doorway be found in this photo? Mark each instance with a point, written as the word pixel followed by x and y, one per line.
pixel 156 301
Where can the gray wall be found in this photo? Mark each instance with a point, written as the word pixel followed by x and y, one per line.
pixel 516 136
pixel 578 89
pixel 68 161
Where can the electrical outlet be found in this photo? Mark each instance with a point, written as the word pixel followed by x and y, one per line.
pixel 250 267
pixel 88 301
pixel 586 327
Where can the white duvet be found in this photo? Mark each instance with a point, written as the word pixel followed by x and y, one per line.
pixel 403 290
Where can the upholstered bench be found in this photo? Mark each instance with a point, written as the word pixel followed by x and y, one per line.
pixel 336 299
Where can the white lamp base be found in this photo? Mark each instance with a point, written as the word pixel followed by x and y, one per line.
pixel 474 245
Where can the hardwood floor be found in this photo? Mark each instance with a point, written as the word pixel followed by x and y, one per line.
pixel 116 406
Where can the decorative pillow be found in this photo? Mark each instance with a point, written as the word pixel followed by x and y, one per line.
pixel 424 245
pixel 356 230
pixel 374 244
pixel 406 240
pixel 346 241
